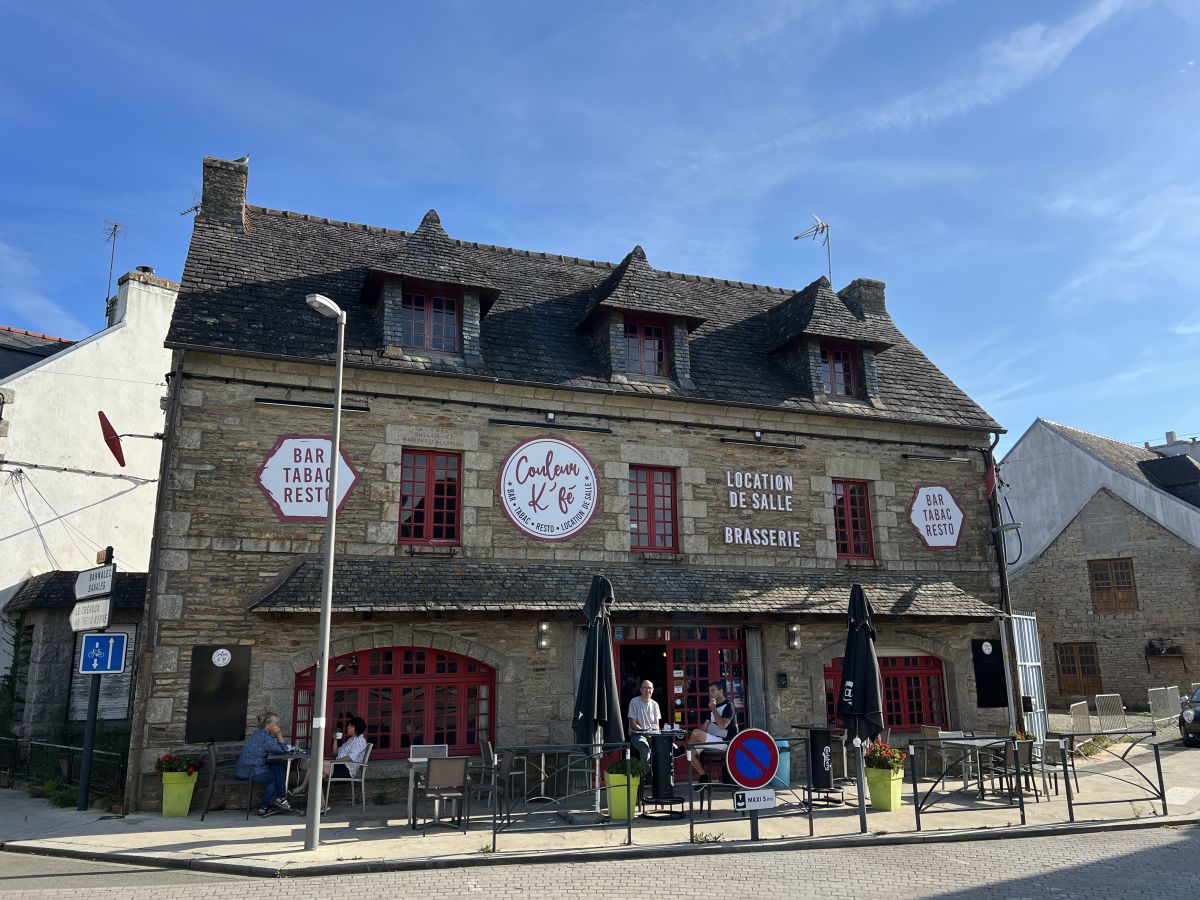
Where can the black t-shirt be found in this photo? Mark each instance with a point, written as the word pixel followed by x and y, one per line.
pixel 726 710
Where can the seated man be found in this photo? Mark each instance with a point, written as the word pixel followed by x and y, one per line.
pixel 717 731
pixel 346 757
pixel 644 716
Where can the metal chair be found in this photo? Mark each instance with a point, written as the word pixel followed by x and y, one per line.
pixel 495 786
pixel 935 752
pixel 221 774
pixel 358 779
pixel 445 781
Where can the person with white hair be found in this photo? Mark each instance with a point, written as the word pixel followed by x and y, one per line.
pixel 252 765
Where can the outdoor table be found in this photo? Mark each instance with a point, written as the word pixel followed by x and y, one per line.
pixel 287 759
pixel 973 747
pixel 541 750
pixel 836 733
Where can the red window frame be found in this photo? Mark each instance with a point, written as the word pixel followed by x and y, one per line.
pixel 914 692
pixel 430 320
pixel 852 520
pixel 653 501
pixel 647 346
pixel 431 497
pixel 839 369
pixel 408 695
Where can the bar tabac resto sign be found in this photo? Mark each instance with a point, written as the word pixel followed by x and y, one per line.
pixel 548 489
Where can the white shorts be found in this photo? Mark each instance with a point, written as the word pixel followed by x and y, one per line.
pixel 712 738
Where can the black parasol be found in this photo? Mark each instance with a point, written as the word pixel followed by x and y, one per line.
pixel 860 698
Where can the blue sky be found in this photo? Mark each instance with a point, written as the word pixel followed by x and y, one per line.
pixel 1023 175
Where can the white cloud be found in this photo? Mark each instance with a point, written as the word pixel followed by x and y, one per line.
pixel 23 303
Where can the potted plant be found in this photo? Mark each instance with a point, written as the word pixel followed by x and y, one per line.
pixel 622 798
pixel 179 780
pixel 1024 741
pixel 885 774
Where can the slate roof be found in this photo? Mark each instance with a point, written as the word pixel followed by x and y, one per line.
pixel 636 287
pixel 433 585
pixel 21 349
pixel 243 291
pixel 56 590
pixel 1121 456
pixel 820 312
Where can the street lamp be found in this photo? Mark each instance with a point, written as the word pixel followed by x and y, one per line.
pixel 316 800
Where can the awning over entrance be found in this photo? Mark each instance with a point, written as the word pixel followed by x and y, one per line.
pixel 453 585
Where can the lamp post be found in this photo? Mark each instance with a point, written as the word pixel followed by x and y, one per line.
pixel 316 799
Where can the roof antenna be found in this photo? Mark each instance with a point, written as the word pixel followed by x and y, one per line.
pixel 196 203
pixel 112 231
pixel 821 230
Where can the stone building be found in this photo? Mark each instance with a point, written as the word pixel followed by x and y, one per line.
pixel 732 456
pixel 1108 558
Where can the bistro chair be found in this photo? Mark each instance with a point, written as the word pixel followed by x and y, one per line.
pixel 221 774
pixel 934 753
pixel 357 780
pixel 445 782
pixel 495 786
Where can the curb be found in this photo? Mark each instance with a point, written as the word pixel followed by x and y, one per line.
pixel 638 852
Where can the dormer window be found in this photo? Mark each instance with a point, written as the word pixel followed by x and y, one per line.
pixel 646 347
pixel 430 322
pixel 839 370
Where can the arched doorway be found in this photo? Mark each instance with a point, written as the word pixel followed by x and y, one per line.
pixel 408 695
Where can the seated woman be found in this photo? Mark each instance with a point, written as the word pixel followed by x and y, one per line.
pixel 252 765
pixel 346 756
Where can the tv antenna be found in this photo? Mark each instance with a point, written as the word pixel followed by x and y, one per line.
pixel 112 231
pixel 195 207
pixel 820 230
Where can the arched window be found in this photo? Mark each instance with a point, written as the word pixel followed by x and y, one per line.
pixel 914 692
pixel 408 695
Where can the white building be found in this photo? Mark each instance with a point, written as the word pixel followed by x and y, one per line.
pixel 63 495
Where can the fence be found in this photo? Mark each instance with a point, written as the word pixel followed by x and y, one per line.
pixel 1111 713
pixel 1151 787
pixel 63 762
pixel 1164 705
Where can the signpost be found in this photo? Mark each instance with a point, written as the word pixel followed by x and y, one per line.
pixel 91 615
pixel 752 760
pixel 94 587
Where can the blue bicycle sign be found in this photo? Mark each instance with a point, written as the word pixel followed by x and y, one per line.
pixel 102 654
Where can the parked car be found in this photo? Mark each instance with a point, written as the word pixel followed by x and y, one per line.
pixel 1189 720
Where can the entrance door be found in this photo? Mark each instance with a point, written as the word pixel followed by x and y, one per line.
pixel 639 662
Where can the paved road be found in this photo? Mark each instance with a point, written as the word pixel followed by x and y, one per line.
pixel 1128 864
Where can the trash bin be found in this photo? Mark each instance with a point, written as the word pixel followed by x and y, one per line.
pixel 820 757
pixel 783 775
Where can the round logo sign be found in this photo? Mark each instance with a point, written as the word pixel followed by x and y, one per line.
pixel 987 648
pixel 221 658
pixel 548 489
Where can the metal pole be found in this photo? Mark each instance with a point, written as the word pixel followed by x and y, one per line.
pixel 316 800
pixel 89 729
pixel 912 761
pixel 862 799
pixel 1062 754
pixel 692 800
pixel 628 800
pixel 1162 789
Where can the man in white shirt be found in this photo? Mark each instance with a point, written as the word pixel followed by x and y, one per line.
pixel 644 715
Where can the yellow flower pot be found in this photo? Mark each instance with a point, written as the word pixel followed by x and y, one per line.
pixel 620 798
pixel 885 788
pixel 177 793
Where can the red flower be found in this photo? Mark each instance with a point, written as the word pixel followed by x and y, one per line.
pixel 166 756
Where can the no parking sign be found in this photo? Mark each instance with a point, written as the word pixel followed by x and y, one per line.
pixel 752 758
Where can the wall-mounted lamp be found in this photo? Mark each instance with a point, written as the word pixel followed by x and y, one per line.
pixel 549 417
pixel 794 637
pixel 758 435
pixel 543 635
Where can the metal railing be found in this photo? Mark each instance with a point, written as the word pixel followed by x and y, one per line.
pixel 1155 789
pixel 993 757
pixel 61 761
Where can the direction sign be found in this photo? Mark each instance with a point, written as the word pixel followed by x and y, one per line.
pixel 746 800
pixel 102 654
pixel 97 582
pixel 752 758
pixel 91 614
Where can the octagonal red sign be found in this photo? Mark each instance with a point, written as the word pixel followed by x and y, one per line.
pixel 295 477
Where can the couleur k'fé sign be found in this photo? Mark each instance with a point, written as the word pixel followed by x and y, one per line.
pixel 295 477
pixel 548 489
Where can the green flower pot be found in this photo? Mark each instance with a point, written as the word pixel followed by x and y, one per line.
pixel 177 793
pixel 620 798
pixel 885 788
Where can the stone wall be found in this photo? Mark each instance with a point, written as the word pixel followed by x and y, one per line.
pixel 220 543
pixel 1056 587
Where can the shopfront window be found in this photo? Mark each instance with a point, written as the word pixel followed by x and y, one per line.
pixel 914 692
pixel 681 662
pixel 408 695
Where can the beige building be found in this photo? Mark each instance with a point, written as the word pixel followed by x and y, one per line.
pixel 1108 559
pixel 732 456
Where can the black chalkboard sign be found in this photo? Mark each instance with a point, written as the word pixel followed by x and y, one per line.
pixel 990 691
pixel 218 693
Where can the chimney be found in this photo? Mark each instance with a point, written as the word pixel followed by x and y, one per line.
pixel 867 293
pixel 1171 437
pixel 224 196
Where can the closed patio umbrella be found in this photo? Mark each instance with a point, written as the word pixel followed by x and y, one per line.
pixel 860 698
pixel 598 717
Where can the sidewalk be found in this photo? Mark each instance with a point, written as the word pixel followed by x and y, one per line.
pixel 379 838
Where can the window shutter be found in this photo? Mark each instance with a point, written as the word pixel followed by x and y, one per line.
pixel 114 689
